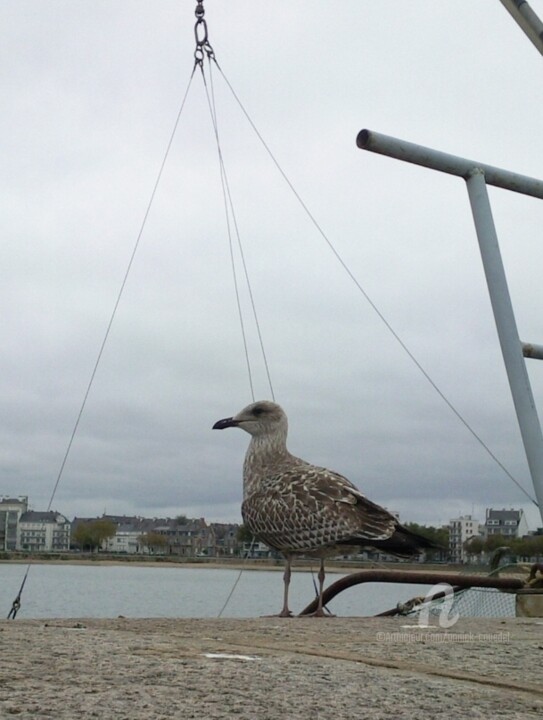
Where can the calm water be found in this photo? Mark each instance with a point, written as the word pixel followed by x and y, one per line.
pixel 62 591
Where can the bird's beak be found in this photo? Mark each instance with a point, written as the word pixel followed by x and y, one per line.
pixel 225 423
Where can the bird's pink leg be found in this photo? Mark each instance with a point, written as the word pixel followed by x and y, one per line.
pixel 319 612
pixel 285 612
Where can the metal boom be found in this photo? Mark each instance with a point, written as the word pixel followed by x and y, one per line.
pixel 477 175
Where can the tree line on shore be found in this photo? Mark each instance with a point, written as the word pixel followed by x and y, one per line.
pixel 90 536
pixel 525 547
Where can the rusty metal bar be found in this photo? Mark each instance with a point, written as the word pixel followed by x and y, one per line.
pixel 415 578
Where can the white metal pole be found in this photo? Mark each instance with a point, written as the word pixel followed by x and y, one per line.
pixel 530 350
pixel 451 164
pixel 527 20
pixel 511 345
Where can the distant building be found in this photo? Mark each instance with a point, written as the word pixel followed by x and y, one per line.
pixel 127 539
pixel 181 536
pixel 11 510
pixel 258 550
pixel 225 540
pixel 509 523
pixel 43 531
pixel 460 530
pixel 186 537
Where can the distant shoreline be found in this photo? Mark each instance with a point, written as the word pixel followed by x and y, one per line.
pixel 187 564
pixel 301 565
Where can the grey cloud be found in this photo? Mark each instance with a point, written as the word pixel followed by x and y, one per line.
pixel 91 95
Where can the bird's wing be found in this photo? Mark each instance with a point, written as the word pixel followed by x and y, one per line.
pixel 308 507
pixel 371 521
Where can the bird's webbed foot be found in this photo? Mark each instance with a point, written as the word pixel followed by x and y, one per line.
pixel 318 614
pixel 285 613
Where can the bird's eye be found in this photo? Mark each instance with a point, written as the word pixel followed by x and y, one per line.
pixel 258 410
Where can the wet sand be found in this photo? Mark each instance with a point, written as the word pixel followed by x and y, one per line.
pixel 270 669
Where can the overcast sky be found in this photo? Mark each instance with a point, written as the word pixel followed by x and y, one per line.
pixel 90 93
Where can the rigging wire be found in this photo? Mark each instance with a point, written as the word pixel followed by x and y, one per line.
pixel 244 264
pixel 203 48
pixel 121 291
pixel 227 212
pixel 372 304
pixel 238 578
pixel 17 602
pixel 230 211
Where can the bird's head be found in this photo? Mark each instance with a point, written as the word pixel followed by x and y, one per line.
pixel 258 419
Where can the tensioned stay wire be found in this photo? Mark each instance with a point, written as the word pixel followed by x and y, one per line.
pixel 229 204
pixel 372 304
pixel 121 290
pixel 243 262
pixel 230 211
pixel 17 602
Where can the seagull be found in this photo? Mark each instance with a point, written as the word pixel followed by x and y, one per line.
pixel 302 509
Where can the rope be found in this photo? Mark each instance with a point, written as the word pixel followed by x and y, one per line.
pixel 17 602
pixel 368 299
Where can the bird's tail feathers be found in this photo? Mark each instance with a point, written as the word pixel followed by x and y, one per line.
pixel 404 543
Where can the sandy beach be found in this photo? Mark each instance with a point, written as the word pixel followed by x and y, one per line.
pixel 299 564
pixel 271 669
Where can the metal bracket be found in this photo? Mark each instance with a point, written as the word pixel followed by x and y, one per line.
pixel 477 175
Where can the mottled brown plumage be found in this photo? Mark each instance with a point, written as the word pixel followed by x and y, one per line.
pixel 311 510
pixel 298 508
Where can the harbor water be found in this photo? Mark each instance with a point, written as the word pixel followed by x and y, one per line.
pixel 108 591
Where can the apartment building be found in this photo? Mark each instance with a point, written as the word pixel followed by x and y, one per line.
pixel 43 531
pixel 11 510
pixel 508 523
pixel 460 530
